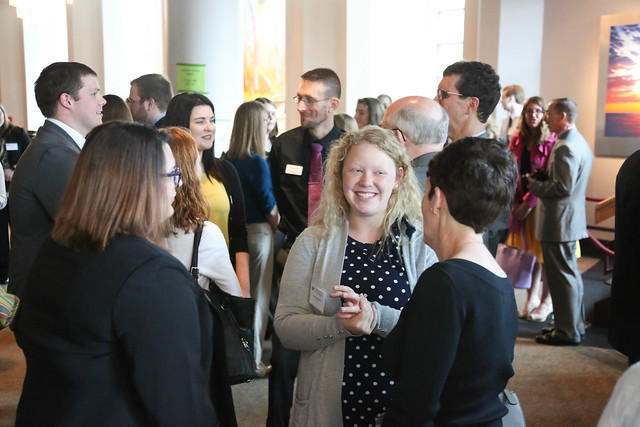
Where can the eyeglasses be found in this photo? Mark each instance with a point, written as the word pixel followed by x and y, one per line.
pixel 309 102
pixel 532 111
pixel 404 138
pixel 133 101
pixel 176 175
pixel 444 94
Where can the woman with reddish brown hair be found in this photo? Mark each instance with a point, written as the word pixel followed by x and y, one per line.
pixel 190 215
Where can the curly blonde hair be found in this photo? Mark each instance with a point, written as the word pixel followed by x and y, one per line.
pixel 404 202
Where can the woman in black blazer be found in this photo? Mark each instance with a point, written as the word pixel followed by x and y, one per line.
pixel 114 329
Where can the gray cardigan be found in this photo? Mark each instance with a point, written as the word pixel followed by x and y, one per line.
pixel 306 318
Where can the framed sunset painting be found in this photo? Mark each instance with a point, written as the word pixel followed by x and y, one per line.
pixel 618 111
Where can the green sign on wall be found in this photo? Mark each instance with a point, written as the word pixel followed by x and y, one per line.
pixel 190 78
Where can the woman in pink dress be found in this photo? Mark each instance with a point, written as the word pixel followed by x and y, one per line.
pixel 531 146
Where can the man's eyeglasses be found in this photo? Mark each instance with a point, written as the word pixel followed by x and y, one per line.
pixel 444 94
pixel 133 101
pixel 176 175
pixel 309 102
pixel 404 138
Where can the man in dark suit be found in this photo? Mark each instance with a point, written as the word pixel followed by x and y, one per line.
pixel 68 95
pixel 561 220
pixel 469 92
pixel 624 325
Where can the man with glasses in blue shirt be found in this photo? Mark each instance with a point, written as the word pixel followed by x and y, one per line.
pixel 148 98
pixel 469 91
pixel 290 161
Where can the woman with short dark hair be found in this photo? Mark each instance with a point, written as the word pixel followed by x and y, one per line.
pixel 115 331
pixel 451 351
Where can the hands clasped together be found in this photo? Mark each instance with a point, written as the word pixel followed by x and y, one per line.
pixel 357 314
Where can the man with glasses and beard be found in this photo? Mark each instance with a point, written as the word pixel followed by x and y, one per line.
pixel 296 161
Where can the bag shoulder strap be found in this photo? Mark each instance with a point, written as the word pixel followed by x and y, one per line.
pixel 195 271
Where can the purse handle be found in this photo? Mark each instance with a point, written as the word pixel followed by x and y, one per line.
pixel 195 271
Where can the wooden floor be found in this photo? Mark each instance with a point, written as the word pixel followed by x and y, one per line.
pixel 557 386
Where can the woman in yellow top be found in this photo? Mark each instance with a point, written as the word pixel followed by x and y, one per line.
pixel 220 182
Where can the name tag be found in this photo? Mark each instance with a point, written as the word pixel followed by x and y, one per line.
pixel 11 146
pixel 317 298
pixel 293 170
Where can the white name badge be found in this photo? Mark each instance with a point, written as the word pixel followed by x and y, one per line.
pixel 12 146
pixel 317 298
pixel 293 170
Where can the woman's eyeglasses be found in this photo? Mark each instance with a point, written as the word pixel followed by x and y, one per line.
pixel 176 175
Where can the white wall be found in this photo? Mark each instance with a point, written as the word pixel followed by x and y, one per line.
pixel 316 37
pixel 127 54
pixel 12 74
pixel 520 45
pixel 209 32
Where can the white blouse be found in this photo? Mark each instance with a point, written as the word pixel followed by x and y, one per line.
pixel 213 257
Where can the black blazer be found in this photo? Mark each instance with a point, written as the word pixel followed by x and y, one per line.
pixel 18 140
pixel 38 185
pixel 117 338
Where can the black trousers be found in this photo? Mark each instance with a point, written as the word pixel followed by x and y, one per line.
pixel 284 368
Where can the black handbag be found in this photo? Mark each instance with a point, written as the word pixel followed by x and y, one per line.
pixel 233 322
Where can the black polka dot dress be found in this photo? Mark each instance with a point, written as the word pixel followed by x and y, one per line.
pixel 380 275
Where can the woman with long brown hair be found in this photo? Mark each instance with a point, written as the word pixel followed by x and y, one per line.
pixel 113 328
pixel 246 153
pixel 531 146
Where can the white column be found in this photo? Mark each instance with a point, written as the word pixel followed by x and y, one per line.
pixel 209 32
pixel 44 43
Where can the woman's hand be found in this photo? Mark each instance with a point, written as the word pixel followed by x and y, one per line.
pixel 357 315
pixel 521 210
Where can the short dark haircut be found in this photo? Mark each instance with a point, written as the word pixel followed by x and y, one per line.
pixel 326 76
pixel 479 80
pixel 566 105
pixel 154 86
pixel 478 178
pixel 115 188
pixel 517 91
pixel 56 79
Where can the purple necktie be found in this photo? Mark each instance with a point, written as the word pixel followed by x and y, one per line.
pixel 315 179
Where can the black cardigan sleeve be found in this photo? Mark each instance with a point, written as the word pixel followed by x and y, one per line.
pixel 237 226
pixel 20 136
